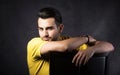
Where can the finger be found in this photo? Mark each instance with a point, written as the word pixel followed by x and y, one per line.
pixel 82 59
pixel 75 57
pixel 78 60
pixel 86 60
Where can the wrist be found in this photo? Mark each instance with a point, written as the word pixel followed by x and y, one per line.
pixel 87 37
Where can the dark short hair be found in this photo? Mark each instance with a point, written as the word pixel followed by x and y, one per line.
pixel 50 12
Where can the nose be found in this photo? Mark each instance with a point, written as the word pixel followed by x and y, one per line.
pixel 45 33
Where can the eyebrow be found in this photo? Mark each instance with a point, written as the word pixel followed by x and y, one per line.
pixel 40 28
pixel 46 27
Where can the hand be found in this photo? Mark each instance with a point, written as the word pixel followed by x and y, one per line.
pixel 83 56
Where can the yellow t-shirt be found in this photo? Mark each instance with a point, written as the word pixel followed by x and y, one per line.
pixel 37 64
pixel 83 47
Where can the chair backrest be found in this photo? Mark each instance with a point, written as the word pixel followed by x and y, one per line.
pixel 61 64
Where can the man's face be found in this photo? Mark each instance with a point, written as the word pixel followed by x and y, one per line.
pixel 48 29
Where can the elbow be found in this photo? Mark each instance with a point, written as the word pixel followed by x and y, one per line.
pixel 112 47
pixel 109 47
pixel 106 46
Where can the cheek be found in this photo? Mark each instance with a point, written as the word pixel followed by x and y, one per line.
pixel 53 33
pixel 40 34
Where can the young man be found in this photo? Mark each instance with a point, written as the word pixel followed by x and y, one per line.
pixel 50 27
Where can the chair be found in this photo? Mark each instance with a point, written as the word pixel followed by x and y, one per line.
pixel 61 64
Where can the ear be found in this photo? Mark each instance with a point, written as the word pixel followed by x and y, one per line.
pixel 61 26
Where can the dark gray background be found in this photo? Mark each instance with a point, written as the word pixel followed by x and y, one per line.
pixel 18 24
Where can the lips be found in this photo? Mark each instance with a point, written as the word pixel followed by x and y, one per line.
pixel 46 38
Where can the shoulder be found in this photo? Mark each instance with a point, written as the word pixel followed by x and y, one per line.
pixel 35 40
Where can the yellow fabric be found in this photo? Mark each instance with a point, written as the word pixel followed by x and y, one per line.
pixel 83 47
pixel 37 66
pixel 36 63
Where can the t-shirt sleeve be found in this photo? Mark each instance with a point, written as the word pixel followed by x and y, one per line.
pixel 34 46
pixel 82 47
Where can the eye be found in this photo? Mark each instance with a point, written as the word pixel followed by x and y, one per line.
pixel 50 28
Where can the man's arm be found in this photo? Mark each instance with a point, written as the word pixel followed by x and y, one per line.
pixel 102 46
pixel 61 46
pixel 97 47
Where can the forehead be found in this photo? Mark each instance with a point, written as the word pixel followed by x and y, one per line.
pixel 46 22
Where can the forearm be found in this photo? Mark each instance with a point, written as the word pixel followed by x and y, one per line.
pixel 74 43
pixel 61 46
pixel 102 46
